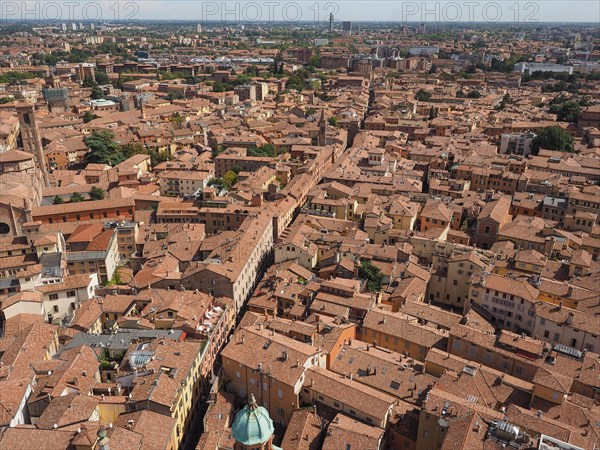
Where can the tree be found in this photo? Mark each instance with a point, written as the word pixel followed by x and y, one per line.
pixel 219 87
pixel 89 82
pixel 333 121
pixel 423 95
pixel 57 200
pixel 102 78
pixel 175 95
pixel 176 117
pixel 315 61
pixel 562 59
pixel 296 82
pixel 309 112
pixel 552 138
pixel 432 114
pixel 89 116
pixel 474 94
pixel 230 178
pixel 460 94
pixel 569 112
pixel 372 274
pixel 103 148
pixel 158 157
pixel 252 71
pixel 217 183
pixel 97 93
pixel 76 197
pixel 505 101
pixel 97 193
pixel 269 150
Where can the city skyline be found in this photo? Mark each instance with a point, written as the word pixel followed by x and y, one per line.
pixel 432 12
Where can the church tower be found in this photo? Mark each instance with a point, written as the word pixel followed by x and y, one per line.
pixel 253 428
pixel 322 141
pixel 30 136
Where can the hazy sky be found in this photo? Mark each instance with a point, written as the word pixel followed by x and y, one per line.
pixel 511 11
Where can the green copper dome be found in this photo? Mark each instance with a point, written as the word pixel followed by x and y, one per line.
pixel 252 425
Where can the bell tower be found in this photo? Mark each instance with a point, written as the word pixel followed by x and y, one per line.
pixel 30 136
pixel 322 129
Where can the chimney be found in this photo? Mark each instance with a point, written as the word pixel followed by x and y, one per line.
pixel 570 318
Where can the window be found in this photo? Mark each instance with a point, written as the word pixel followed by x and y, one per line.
pixel 55 307
pixel 70 293
pixel 53 296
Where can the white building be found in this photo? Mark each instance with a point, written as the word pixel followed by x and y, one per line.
pixel 517 144
pixel 524 67
pixel 55 302
pixel 60 300
pixel 432 50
